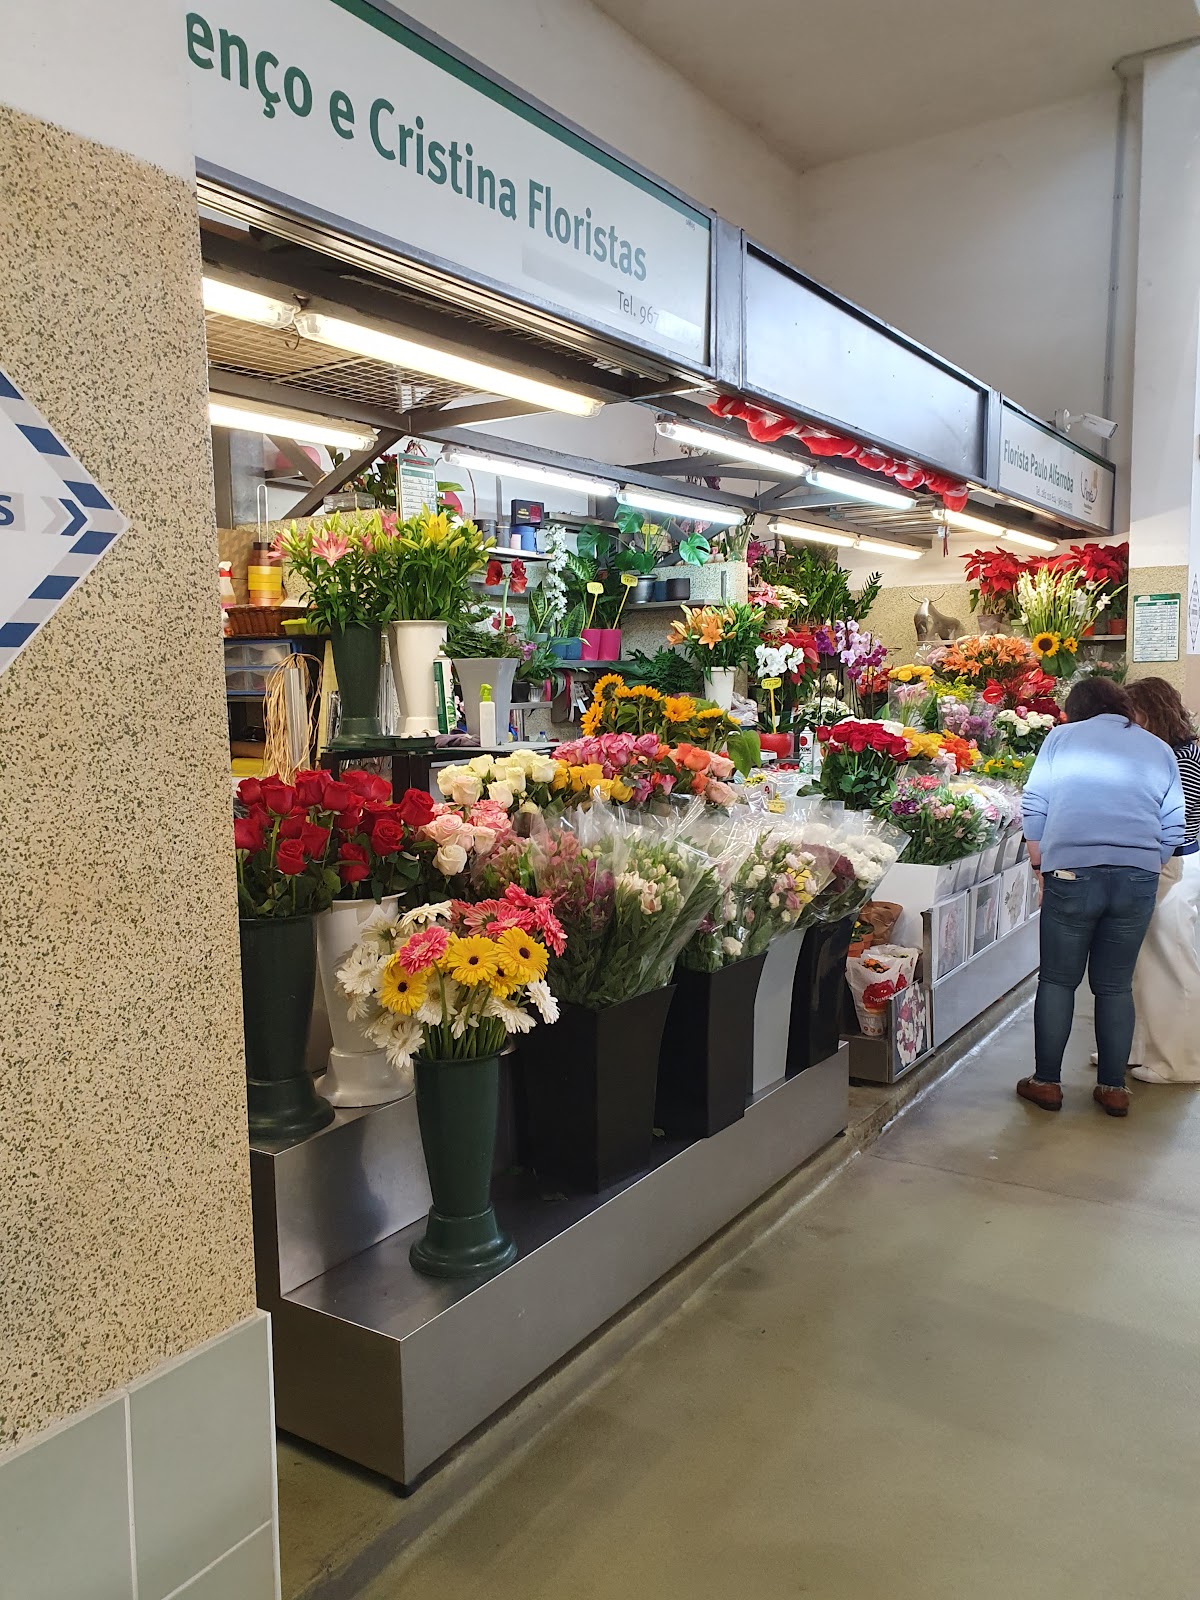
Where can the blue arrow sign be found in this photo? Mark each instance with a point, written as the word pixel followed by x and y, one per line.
pixel 41 566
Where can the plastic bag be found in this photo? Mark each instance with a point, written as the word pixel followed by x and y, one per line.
pixel 874 979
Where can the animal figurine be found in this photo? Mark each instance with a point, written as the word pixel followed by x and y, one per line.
pixel 931 623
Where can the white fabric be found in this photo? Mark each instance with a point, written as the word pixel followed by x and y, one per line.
pixel 1166 983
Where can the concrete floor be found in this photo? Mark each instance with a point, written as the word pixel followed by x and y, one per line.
pixel 969 1368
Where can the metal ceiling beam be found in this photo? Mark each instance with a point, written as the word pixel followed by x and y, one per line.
pixel 354 463
pixel 269 393
pixel 297 457
pixel 422 417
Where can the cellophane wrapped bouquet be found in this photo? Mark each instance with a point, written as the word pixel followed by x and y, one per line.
pixel 452 980
pixel 858 848
pixel 628 889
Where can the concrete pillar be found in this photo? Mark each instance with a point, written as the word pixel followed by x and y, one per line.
pixel 1164 535
pixel 136 1445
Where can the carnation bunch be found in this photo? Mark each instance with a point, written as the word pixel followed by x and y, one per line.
pixel 451 981
pixel 942 825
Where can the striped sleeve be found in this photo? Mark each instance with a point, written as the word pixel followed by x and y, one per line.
pixel 1188 757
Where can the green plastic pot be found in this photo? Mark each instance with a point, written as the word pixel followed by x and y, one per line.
pixel 279 975
pixel 457 1107
pixel 357 655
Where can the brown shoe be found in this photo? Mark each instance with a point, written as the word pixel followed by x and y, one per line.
pixel 1046 1095
pixel 1114 1101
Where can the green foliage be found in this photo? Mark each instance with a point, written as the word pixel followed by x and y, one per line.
pixel 694 550
pixel 823 586
pixel 666 670
pixel 744 750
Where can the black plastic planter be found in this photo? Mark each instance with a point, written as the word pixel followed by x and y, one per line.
pixel 589 1082
pixel 279 975
pixel 817 994
pixel 706 1064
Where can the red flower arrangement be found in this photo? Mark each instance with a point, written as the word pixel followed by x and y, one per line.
pixel 859 762
pixel 994 574
pixel 299 844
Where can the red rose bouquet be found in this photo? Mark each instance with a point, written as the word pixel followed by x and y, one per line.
pixel 859 762
pixel 302 844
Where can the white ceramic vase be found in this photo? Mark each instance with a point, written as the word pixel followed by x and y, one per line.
pixel 718 686
pixel 412 648
pixel 497 671
pixel 773 1009
pixel 358 1073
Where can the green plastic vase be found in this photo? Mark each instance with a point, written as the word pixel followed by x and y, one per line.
pixel 357 657
pixel 457 1108
pixel 279 974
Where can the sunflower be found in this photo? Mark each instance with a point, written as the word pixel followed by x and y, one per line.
pixel 1070 644
pixel 471 960
pixel 400 991
pixel 679 707
pixel 522 957
pixel 1046 644
pixel 590 722
pixel 610 680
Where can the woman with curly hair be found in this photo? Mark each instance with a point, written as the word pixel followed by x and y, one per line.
pixel 1166 983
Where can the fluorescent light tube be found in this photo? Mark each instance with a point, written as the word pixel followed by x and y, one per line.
pixel 671 506
pixel 228 300
pixel 810 535
pixel 1031 541
pixel 228 411
pixel 529 471
pixel 855 489
pixel 967 524
pixel 720 444
pixel 880 547
pixel 398 352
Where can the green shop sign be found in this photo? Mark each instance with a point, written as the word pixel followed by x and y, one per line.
pixel 340 110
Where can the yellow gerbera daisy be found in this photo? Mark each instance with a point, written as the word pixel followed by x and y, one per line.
pixel 400 991
pixel 1071 644
pixel 471 960
pixel 1046 644
pixel 522 957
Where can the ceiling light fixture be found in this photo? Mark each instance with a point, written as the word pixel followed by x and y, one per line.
pixel 809 535
pixel 720 444
pixel 670 505
pixel 529 472
pixel 881 547
pixel 398 352
pixel 962 523
pixel 229 411
pixel 228 300
pixel 1031 541
pixel 856 489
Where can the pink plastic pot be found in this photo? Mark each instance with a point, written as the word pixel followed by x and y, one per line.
pixel 593 640
pixel 610 648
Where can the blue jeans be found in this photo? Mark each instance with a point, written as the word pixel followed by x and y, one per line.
pixel 1096 920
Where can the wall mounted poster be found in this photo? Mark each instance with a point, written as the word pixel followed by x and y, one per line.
pixel 946 937
pixel 1014 895
pixel 985 913
pixel 1156 627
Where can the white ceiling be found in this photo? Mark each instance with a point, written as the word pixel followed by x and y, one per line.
pixel 823 79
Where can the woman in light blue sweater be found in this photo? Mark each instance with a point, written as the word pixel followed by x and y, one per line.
pixel 1103 811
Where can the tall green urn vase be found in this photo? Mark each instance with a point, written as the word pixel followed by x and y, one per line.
pixel 279 975
pixel 357 660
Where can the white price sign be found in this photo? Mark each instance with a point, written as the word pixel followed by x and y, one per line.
pixel 55 521
pixel 337 108
pixel 1156 627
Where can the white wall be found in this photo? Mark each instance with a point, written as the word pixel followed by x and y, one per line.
pixel 582 64
pixel 69 62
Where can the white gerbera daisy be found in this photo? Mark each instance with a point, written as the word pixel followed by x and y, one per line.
pixel 544 1002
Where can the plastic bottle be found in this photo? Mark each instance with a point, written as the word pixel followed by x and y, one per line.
pixel 487 717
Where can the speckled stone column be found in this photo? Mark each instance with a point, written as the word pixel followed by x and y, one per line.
pixel 124 1193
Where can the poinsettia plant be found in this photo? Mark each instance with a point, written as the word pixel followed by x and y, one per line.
pixel 993 575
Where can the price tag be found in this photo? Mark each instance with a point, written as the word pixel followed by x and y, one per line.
pixel 629 579
pixel 595 588
pixel 771 683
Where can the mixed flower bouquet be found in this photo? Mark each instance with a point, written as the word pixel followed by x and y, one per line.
pixel 946 752
pixel 718 635
pixel 1056 609
pixel 858 850
pixel 675 718
pixel 975 722
pixel 301 844
pixel 1024 731
pixel 942 825
pixel 451 981
pixel 859 762
pixel 1008 767
pixel 622 767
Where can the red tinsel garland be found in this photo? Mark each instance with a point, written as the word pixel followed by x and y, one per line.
pixel 765 427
